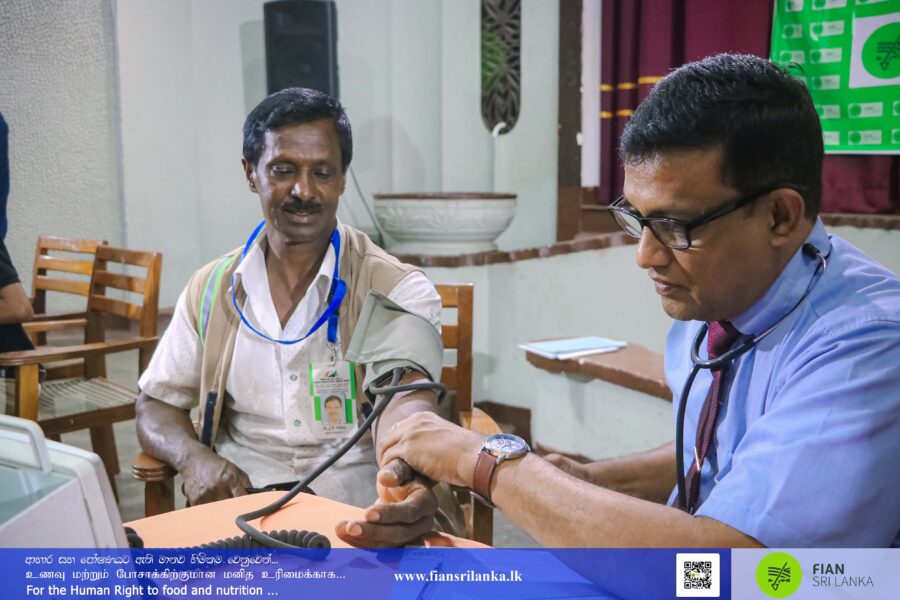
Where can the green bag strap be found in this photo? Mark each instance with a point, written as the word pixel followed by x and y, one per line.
pixel 210 293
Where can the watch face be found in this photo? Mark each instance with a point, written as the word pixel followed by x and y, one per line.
pixel 504 443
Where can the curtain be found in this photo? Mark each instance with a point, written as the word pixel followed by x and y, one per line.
pixel 642 40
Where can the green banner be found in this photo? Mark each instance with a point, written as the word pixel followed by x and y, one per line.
pixel 849 53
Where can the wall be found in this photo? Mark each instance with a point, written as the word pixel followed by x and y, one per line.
pixel 590 93
pixel 597 419
pixel 526 157
pixel 598 292
pixel 188 78
pixel 58 94
pixel 410 81
pixel 882 244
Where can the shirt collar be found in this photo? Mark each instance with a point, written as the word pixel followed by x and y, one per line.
pixel 787 290
pixel 250 274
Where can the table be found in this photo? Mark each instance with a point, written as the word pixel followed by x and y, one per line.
pixel 214 521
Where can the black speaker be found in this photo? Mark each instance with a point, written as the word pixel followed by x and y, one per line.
pixel 301 45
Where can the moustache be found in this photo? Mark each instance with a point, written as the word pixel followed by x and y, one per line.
pixel 301 207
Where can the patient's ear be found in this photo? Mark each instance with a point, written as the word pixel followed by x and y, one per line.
pixel 249 174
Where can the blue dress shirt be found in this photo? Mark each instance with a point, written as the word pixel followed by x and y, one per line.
pixel 807 446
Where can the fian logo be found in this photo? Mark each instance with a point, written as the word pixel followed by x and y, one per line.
pixel 881 52
pixel 778 575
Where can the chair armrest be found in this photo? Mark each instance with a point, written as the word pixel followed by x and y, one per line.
pixel 40 317
pixel 54 353
pixel 146 468
pixel 479 421
pixel 42 326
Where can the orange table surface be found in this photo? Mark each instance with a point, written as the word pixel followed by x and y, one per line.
pixel 210 522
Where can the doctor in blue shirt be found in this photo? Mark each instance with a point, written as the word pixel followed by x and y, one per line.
pixel 785 353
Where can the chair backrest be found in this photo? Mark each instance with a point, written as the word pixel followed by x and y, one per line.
pixel 56 255
pixel 458 337
pixel 146 286
pixel 101 304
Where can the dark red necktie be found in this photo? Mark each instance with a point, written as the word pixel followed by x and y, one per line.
pixel 720 338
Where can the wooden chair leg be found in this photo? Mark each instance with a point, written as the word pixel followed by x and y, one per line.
pixel 159 497
pixel 27 392
pixel 103 441
pixel 482 522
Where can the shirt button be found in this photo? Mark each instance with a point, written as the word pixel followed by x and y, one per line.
pixel 296 422
pixel 293 378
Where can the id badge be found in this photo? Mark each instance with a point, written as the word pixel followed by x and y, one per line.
pixel 333 391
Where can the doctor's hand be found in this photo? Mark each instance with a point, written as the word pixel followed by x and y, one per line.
pixel 403 513
pixel 209 477
pixel 434 448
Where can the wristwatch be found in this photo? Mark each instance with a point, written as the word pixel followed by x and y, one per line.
pixel 496 449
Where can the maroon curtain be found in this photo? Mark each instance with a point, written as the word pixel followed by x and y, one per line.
pixel 642 40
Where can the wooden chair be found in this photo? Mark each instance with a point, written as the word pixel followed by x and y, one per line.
pixel 52 256
pixel 159 490
pixel 81 397
pixel 458 378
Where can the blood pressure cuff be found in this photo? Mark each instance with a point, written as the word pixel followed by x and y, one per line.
pixel 388 336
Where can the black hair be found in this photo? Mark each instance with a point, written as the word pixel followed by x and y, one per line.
pixel 330 398
pixel 761 117
pixel 293 106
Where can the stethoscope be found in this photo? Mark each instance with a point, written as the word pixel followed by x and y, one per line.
pixel 745 344
pixel 335 295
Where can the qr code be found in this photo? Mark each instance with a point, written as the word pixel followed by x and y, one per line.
pixel 698 575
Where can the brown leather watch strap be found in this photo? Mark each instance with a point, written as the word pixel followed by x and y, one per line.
pixel 484 472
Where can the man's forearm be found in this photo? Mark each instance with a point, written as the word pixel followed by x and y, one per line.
pixel 561 511
pixel 648 475
pixel 404 405
pixel 166 432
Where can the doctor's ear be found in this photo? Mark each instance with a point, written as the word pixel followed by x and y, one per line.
pixel 786 214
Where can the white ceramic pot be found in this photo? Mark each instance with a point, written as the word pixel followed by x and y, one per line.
pixel 444 223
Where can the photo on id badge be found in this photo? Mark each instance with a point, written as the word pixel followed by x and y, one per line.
pixel 334 402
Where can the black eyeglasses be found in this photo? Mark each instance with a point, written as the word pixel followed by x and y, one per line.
pixel 677 234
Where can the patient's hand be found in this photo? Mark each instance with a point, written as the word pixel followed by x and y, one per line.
pixel 403 513
pixel 573 468
pixel 209 477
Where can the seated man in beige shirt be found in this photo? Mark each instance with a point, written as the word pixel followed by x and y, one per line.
pixel 248 338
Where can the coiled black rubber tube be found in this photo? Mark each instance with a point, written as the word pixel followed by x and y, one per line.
pixel 299 539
